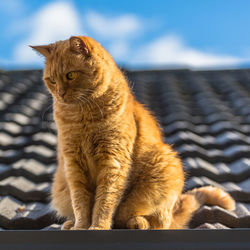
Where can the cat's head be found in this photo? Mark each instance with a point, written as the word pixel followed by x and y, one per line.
pixel 75 68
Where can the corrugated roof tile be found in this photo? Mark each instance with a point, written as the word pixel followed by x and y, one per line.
pixel 205 115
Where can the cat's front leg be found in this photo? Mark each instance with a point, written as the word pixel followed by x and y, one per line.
pixel 79 194
pixel 111 182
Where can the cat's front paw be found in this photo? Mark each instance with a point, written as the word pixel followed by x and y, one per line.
pixel 98 228
pixel 77 228
pixel 67 225
pixel 71 225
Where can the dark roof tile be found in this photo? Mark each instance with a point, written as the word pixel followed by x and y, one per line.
pixel 24 189
pixel 212 226
pixel 240 218
pixel 17 215
pixel 204 114
pixel 222 172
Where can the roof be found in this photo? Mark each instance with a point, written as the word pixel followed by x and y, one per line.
pixel 205 115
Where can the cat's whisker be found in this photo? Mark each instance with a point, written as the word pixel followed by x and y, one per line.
pixel 81 110
pixel 83 96
pixel 99 108
pixel 80 99
pixel 85 91
pixel 89 90
pixel 75 98
pixel 92 91
pixel 89 108
pixel 93 102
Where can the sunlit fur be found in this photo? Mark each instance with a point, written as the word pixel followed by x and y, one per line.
pixel 114 170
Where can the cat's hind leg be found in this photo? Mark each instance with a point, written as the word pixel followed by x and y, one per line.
pixel 160 219
pixel 154 191
pixel 145 216
pixel 138 222
pixel 131 215
pixel 60 195
pixel 144 210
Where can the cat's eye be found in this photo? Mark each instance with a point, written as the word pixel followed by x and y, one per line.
pixel 71 75
pixel 52 81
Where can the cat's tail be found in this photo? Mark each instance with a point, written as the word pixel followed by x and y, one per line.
pixel 193 199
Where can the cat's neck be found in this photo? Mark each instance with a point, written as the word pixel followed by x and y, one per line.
pixel 92 109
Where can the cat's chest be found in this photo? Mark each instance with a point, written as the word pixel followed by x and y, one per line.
pixel 76 142
pixel 75 139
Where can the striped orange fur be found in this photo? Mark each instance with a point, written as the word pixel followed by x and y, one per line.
pixel 114 170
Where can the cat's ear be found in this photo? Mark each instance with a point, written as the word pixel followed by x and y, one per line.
pixel 44 50
pixel 79 45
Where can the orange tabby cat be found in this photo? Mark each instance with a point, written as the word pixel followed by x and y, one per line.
pixel 114 168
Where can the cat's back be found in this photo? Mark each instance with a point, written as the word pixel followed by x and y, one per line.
pixel 148 129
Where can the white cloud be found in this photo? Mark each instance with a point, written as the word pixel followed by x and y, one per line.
pixel 171 50
pixel 55 21
pixel 59 20
pixel 113 27
pixel 117 33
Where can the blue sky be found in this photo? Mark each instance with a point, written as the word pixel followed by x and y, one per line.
pixel 182 33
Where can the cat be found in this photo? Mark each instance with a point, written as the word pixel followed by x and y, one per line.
pixel 114 170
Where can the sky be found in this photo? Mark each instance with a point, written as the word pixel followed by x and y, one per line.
pixel 138 34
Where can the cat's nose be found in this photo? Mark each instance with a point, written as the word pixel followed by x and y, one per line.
pixel 61 92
